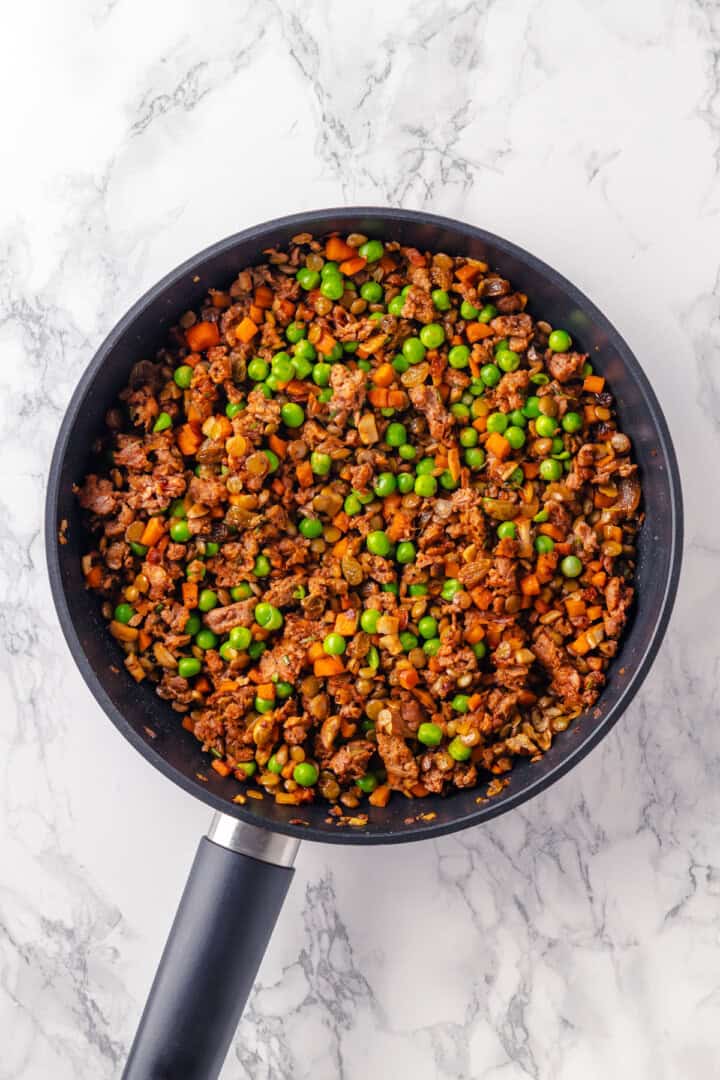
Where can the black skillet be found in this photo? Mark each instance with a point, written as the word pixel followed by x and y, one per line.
pixel 242 871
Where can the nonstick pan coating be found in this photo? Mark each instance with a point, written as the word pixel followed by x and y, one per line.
pixel 151 725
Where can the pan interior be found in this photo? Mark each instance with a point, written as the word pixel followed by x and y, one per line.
pixel 151 725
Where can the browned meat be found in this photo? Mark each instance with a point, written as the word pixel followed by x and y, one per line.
pixel 222 619
pixel 419 305
pixel 566 366
pixel 348 391
pixel 398 758
pixel 429 402
pixel 210 491
pixel 351 760
pixel 97 496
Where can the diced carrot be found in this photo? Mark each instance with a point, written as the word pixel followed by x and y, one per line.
pixel 482 598
pixel 574 606
pixel 336 250
pixel 468 272
pixel 563 548
pixel 340 548
pixel 263 296
pixel 202 684
pixel 371 345
pixel 545 567
pixel 220 299
pixel 188 723
pixel 548 529
pixel 531 469
pixel 408 678
pixel 152 532
pixel 193 359
pixel 580 645
pixel 378 397
pixel 380 796
pixel 594 384
pixel 326 344
pixel 256 314
pixel 346 623
pixel 480 424
pixel 595 663
pixel 316 651
pixel 540 606
pixel 284 309
pixel 474 633
pixel 221 767
pixel 476 331
pixel 384 375
pixel 266 691
pixel 594 612
pixel 498 445
pixel 277 445
pixel 327 666
pixel 452 569
pixel 190 594
pixel 144 640
pixel 530 586
pixel 297 388
pixel 613 532
pixel 589 414
pixel 454 463
pixel 347 729
pixel 398 526
pixel 388 264
pixel 602 501
pixel 397 399
pixel 245 330
pixel 202 336
pixel 594 565
pixel 304 473
pixel 278 486
pixel 352 266
pixel 391 503
pixel 416 257
pixel 227 686
pixel 93 579
pixel 189 440
pixel 599 579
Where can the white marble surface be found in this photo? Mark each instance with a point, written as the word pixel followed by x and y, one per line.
pixel 576 938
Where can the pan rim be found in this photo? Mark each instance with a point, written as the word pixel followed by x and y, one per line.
pixel 420 830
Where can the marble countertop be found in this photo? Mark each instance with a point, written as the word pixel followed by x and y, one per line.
pixel 577 937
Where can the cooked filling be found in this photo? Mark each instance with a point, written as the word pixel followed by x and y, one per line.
pixel 366 523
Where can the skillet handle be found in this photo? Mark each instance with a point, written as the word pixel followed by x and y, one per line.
pixel 226 916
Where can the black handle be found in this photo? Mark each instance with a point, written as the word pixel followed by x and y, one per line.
pixel 223 924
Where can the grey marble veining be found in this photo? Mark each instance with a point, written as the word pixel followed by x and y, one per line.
pixel 576 938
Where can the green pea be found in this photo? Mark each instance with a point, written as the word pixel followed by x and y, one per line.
pixel 258 369
pixel 396 305
pixel 557 445
pixel 432 336
pixel 205 639
pixel 531 408
pixel 321 374
pixel 407 452
pixel 266 390
pixel 372 250
pixel 507 360
pixel 477 387
pixel 571 566
pixel 177 509
pixel 572 422
pixel 227 652
pixel 308 279
pixel 413 350
pixel 305 349
pixel 461 411
pixel 292 415
pixel 282 367
pixel 460 703
pixel 320 463
pixel 587 369
pixel 352 505
pixel 295 331
pixel 440 299
pixel 378 543
pixel 458 750
pixel 329 269
pixel 372 291
pixel 241 592
pixel 207 600
pixel 369 620
pixel 544 545
pixel 272 383
pixel 256 649
pixel 468 311
pixel 188 666
pixel 459 356
pixel 427 626
pixel 249 768
pixel 240 638
pixel 325 395
pixel 300 592
pixel 430 734
pixel 542 515
pixel 373 658
pixel 487 313
pixel 539 378
pixel 385 484
pixel 183 376
pixel 350 346
pixel 262 566
pixel 432 646
pixel 233 408
pixel 400 364
pixel 263 705
pixel 367 783
pixel 273 460
pixel 138 549
pixel 550 470
pixel 180 532
pixel 310 528
pixel 163 422
pixel 469 436
pixel 305 774
pixel 408 640
pixel 332 287
pixel 268 616
pixel 474 457
pixel 425 486
pixel 559 341
pixel 490 374
pixel 301 367
pixel 405 552
pixel 497 422
pixel 517 419
pixel 546 426
pixel 418 589
pixel 516 476
pixel 274 766
pixel 123 613
pixel 516 437
pixel 425 466
pixel 451 587
pixel 447 481
pixel 506 530
pixel 480 649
